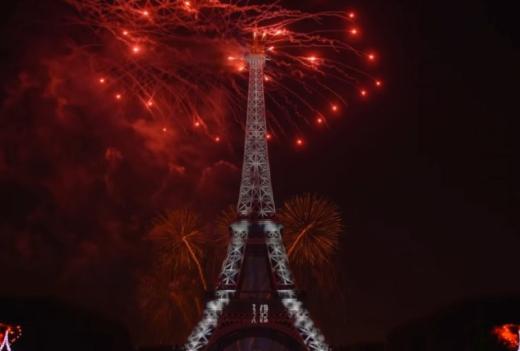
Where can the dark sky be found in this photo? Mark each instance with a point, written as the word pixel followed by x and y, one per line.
pixel 424 174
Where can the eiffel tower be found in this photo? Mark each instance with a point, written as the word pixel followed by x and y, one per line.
pixel 255 305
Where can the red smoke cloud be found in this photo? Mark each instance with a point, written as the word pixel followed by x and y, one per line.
pixel 81 175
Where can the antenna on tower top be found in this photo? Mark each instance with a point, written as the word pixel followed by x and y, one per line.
pixel 258 44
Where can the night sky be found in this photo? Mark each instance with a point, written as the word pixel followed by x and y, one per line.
pixel 424 173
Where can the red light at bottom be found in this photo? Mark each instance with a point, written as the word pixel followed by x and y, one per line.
pixel 509 335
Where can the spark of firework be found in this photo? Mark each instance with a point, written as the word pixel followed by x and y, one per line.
pixel 185 60
pixel 220 240
pixel 508 334
pixel 170 303
pixel 170 297
pixel 179 238
pixel 312 228
pixel 224 220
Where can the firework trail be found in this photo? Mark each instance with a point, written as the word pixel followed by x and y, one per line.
pixel 184 61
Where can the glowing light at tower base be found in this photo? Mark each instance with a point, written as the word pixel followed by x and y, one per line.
pixel 8 336
pixel 509 335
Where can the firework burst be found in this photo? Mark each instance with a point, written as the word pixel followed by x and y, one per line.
pixel 174 288
pixel 312 228
pixel 179 238
pixel 183 61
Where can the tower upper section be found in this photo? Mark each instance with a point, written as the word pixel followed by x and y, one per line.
pixel 256 193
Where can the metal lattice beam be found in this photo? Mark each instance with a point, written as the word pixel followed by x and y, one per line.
pixel 277 255
pixel 311 335
pixel 256 193
pixel 202 332
pixel 235 255
pixel 5 343
pixel 227 287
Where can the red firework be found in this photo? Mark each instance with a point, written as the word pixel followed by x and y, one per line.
pixel 184 60
pixel 508 335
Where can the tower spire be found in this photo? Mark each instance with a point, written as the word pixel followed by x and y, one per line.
pixel 256 192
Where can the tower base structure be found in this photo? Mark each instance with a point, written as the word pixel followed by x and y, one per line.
pixel 256 306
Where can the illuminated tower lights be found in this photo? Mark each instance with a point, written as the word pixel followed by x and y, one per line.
pixel 5 343
pixel 256 205
pixel 10 334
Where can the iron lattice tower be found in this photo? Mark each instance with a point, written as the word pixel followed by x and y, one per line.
pixel 255 295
